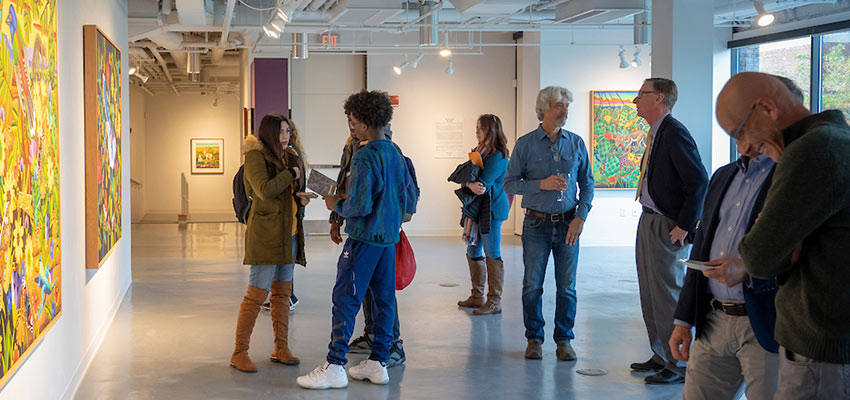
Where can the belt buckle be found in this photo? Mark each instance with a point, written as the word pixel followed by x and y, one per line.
pixel 555 217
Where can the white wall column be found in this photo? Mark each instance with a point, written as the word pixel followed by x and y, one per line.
pixel 683 50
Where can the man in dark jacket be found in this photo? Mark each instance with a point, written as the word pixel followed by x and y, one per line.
pixel 671 189
pixel 733 314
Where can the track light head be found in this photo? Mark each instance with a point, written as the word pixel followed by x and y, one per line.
pixel 623 62
pixel 416 61
pixel 764 18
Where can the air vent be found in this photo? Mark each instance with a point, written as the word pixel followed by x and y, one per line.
pixel 367 12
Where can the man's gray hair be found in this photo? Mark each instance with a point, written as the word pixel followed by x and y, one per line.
pixel 667 88
pixel 549 94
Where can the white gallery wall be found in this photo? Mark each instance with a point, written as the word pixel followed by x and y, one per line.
pixel 319 86
pixel 480 84
pixel 56 366
pixel 593 64
pixel 171 122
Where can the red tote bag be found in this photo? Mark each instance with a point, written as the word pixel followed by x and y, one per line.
pixel 405 263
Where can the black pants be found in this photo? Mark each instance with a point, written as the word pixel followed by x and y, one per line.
pixel 367 317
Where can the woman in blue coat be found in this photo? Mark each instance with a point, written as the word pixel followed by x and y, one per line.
pixel 492 147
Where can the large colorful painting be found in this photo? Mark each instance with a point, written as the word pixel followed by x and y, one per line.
pixel 618 139
pixel 102 78
pixel 30 255
pixel 207 156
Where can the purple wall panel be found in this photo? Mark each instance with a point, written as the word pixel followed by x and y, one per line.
pixel 270 87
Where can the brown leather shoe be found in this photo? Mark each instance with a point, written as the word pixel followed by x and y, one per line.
pixel 534 351
pixel 248 311
pixel 565 351
pixel 495 280
pixel 478 275
pixel 280 322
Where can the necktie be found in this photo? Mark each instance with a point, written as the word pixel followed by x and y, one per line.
pixel 643 161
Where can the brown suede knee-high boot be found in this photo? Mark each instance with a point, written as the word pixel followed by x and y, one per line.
pixel 280 321
pixel 248 311
pixel 478 275
pixel 495 280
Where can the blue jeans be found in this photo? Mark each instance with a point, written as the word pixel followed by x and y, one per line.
pixel 490 242
pixel 539 238
pixel 262 276
pixel 362 266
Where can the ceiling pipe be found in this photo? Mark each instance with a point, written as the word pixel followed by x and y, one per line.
pixel 228 18
pixel 429 35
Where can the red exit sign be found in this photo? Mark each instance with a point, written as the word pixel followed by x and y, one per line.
pixel 330 39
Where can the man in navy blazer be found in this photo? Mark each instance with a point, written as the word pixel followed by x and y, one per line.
pixel 671 189
pixel 733 314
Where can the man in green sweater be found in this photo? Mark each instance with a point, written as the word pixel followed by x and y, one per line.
pixel 802 233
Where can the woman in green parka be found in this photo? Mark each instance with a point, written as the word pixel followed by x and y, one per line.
pixel 274 236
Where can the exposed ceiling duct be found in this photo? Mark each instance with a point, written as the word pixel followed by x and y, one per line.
pixel 736 10
pixel 193 66
pixel 490 7
pixel 193 12
pixel 430 14
pixel 367 12
pixel 596 11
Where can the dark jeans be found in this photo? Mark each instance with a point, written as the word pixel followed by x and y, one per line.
pixel 363 266
pixel 369 329
pixel 539 239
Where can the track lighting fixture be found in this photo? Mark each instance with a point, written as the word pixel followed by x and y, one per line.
pixel 764 18
pixel 399 68
pixel 636 60
pixel 623 62
pixel 450 70
pixel 416 60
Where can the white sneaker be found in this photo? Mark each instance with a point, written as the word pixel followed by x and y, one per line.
pixel 327 376
pixel 374 371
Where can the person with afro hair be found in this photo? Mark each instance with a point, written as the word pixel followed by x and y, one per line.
pixel 380 192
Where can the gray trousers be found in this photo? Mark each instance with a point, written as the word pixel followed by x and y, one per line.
pixel 660 277
pixel 726 356
pixel 801 377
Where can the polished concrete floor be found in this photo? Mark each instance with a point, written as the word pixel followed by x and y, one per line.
pixel 173 334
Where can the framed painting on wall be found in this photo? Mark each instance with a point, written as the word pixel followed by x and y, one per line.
pixel 30 245
pixel 618 139
pixel 103 123
pixel 207 156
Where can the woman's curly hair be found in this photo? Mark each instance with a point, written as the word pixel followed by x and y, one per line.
pixel 372 108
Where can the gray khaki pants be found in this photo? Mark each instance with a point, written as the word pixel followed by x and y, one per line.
pixel 801 377
pixel 660 277
pixel 726 356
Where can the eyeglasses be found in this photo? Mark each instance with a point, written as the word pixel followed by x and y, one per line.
pixel 736 133
pixel 643 92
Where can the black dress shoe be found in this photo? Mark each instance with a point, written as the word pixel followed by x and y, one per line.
pixel 664 377
pixel 648 366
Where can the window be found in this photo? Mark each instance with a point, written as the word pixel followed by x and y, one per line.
pixel 836 73
pixel 789 58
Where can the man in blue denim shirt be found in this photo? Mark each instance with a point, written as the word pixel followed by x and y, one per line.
pixel 549 167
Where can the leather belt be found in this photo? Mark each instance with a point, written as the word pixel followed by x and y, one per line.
pixel 551 217
pixel 734 309
pixel 647 210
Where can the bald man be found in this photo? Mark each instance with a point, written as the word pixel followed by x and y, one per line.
pixel 802 233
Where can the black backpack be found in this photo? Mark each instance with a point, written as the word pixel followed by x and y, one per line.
pixel 241 201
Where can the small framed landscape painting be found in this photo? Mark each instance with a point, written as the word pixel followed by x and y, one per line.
pixel 207 156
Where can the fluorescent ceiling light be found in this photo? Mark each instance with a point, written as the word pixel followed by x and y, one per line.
pixel 271 31
pixel 284 12
pixel 277 24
